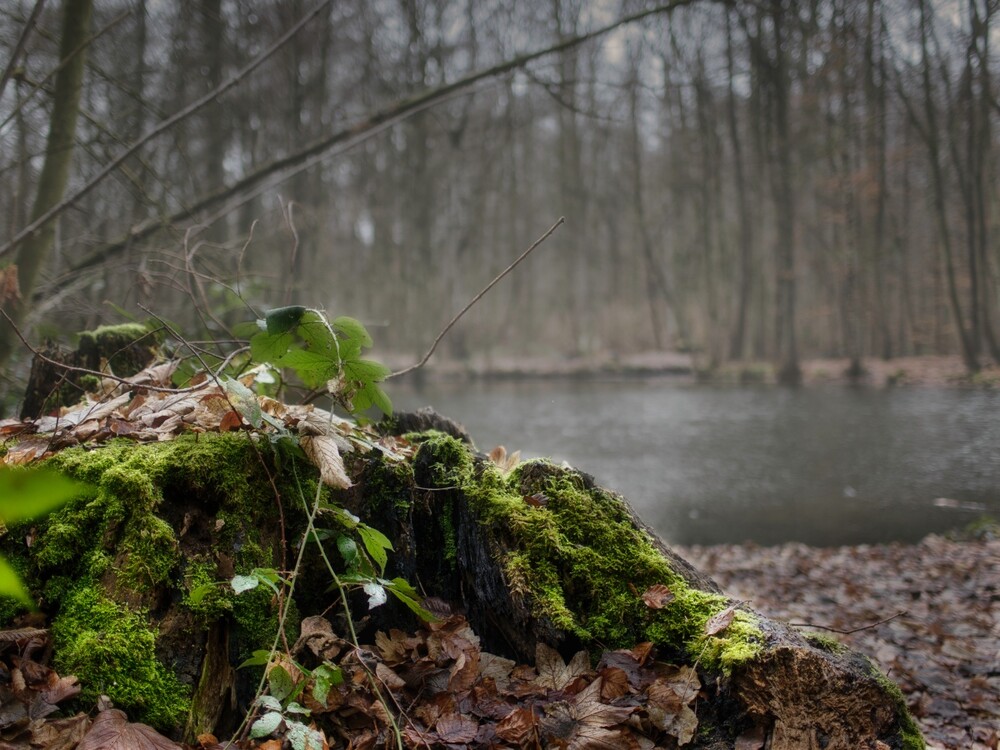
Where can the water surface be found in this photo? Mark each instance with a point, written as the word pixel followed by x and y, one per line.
pixel 706 464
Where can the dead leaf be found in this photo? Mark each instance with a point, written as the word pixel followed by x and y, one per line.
pixel 323 452
pixel 657 596
pixel 389 678
pixel 553 672
pixel 496 668
pixel 752 739
pixel 614 683
pixel 10 289
pixel 518 726
pixel 456 728
pixel 720 621
pixel 504 461
pixel 112 730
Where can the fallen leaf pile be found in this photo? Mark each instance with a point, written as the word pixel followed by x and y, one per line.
pixel 452 694
pixel 944 650
pixel 31 692
pixel 145 410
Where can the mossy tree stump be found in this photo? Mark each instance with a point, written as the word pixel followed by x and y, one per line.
pixel 535 554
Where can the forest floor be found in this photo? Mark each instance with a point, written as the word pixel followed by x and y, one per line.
pixel 937 371
pixel 937 604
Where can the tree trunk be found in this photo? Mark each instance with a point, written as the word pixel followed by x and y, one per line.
pixel 58 160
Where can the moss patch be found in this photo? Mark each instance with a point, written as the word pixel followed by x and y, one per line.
pixel 112 649
pixel 576 559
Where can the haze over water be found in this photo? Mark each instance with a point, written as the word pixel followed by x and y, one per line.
pixel 706 465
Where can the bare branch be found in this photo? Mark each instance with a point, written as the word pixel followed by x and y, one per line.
pixel 162 127
pixel 479 296
pixel 29 25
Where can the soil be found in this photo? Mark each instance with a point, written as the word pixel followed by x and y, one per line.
pixel 939 603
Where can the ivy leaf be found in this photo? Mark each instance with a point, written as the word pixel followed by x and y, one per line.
pixel 283 319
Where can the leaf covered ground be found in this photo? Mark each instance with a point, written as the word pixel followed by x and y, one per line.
pixel 944 647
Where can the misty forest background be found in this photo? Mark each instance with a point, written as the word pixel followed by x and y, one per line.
pixel 761 181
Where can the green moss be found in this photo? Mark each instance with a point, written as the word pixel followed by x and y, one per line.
pixel 215 597
pixel 579 562
pixel 826 643
pixel 112 649
pixel 910 736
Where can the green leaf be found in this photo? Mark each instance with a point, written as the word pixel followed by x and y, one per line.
pixel 376 543
pixel 279 682
pixel 313 368
pixel 268 576
pixel 248 328
pixel 412 603
pixel 265 725
pixel 325 676
pixel 283 319
pixel 30 493
pixel 403 586
pixel 348 550
pixel 270 347
pixel 200 592
pixel 244 400
pixel 244 583
pixel 295 708
pixel 315 330
pixel 259 659
pixel 353 329
pixel 11 585
pixel 370 395
pixel 365 371
pixel 269 702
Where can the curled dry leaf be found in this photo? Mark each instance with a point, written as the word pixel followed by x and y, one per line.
pixel 657 596
pixel 324 453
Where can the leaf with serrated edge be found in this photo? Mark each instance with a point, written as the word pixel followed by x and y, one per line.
pixel 553 672
pixel 265 725
pixel 323 452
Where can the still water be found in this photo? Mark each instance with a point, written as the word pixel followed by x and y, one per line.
pixel 707 465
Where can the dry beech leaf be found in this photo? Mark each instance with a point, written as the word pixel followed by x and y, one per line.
pixel 113 731
pixel 456 729
pixel 389 678
pixel 720 621
pixel 657 596
pixel 323 452
pixel 518 726
pixel 553 672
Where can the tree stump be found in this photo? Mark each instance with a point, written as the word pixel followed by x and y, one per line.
pixel 534 553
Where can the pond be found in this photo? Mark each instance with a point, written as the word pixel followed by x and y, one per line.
pixel 823 465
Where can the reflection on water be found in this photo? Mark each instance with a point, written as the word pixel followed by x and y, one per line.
pixel 705 465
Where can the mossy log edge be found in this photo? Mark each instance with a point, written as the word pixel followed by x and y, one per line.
pixel 539 553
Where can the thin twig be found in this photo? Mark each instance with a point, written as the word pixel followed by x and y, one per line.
pixel 474 300
pixel 19 47
pixel 163 126
pixel 852 630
